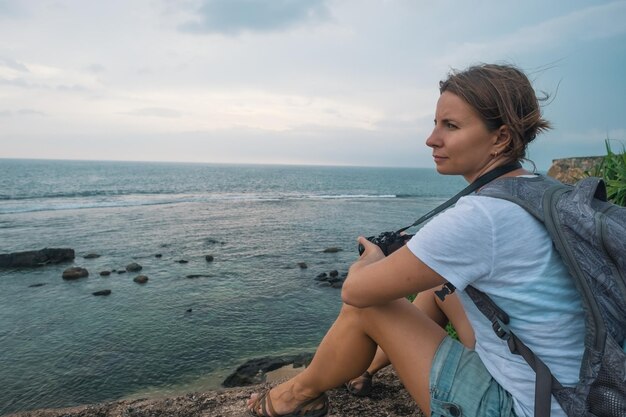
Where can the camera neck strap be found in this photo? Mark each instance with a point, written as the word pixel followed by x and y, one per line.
pixel 475 185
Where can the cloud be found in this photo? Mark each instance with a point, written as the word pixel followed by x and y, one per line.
pixel 30 112
pixel 232 17
pixel 36 76
pixel 13 64
pixel 21 112
pixel 9 8
pixel 95 68
pixel 592 23
pixel 155 112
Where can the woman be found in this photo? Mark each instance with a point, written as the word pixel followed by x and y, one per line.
pixel 485 118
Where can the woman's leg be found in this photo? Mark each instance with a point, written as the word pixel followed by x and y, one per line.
pixel 407 335
pixel 441 312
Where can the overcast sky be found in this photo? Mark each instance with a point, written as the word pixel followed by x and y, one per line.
pixel 334 82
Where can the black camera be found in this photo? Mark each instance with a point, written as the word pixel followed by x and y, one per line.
pixel 388 242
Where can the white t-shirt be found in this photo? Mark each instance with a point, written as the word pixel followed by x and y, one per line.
pixel 500 249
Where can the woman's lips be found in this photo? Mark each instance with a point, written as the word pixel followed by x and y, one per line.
pixel 438 158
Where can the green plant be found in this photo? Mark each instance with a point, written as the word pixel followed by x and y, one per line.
pixel 449 328
pixel 613 170
pixel 451 331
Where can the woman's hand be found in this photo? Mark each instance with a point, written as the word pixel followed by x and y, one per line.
pixel 376 279
pixel 371 254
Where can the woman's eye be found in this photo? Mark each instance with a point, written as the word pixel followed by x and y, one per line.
pixel 450 125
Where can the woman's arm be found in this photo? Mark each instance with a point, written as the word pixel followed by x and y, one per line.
pixel 376 279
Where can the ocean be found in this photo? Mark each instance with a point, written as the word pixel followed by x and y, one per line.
pixel 61 346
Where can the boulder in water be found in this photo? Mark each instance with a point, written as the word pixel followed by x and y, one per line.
pixel 332 250
pixel 140 279
pixel 35 258
pixel 75 272
pixel 133 267
pixel 102 292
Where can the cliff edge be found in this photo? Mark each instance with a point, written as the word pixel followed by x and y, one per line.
pixel 570 170
pixel 388 398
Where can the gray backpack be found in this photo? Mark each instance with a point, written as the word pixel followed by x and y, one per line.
pixel 590 235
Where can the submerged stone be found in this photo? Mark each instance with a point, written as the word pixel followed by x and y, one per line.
pixel 140 279
pixel 133 267
pixel 75 272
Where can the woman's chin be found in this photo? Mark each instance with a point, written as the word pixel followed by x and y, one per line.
pixel 442 170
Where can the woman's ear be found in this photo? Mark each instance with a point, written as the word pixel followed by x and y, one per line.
pixel 503 139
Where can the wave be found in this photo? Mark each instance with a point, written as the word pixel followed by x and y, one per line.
pixel 82 194
pixel 92 200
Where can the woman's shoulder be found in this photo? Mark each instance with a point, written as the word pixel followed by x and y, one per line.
pixel 488 203
pixel 492 209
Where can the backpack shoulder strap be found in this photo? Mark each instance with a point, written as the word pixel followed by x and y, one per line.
pixel 545 382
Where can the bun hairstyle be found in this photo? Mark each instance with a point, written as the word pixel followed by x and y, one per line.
pixel 501 95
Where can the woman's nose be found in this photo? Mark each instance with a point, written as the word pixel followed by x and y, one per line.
pixel 432 140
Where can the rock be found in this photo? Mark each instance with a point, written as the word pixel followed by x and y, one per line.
pixel 105 273
pixel 182 261
pixel 322 277
pixel 158 255
pixel 133 267
pixel 332 280
pixel 188 310
pixel 37 285
pixel 121 271
pixel 209 258
pixel 199 276
pixel 36 258
pixel 332 250
pixel 254 370
pixel 570 170
pixel 140 279
pixel 102 292
pixel 211 241
pixel 75 272
pixel 303 265
pixel 91 256
pixel 337 284
pixel 334 273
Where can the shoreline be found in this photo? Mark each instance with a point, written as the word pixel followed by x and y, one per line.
pixel 388 398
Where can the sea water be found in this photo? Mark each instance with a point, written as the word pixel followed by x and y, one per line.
pixel 61 346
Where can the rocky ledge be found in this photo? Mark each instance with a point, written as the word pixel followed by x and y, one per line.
pixel 570 170
pixel 388 398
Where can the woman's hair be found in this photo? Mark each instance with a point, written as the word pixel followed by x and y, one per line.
pixel 501 95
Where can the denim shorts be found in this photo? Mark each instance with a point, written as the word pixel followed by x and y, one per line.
pixel 461 386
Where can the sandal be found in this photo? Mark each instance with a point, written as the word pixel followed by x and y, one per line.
pixel 304 409
pixel 366 385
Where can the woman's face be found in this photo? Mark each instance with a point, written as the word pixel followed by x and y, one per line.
pixel 461 143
